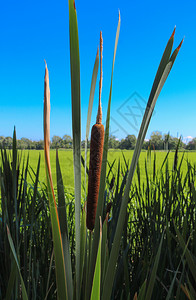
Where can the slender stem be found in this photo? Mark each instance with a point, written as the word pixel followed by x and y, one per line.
pixel 99 113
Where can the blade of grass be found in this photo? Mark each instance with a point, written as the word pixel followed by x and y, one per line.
pixel 153 273
pixel 176 155
pixel 186 291
pixel 189 258
pixel 175 274
pixel 14 187
pixel 14 166
pixel 192 290
pixel 10 286
pixel 76 128
pixel 64 228
pixel 95 294
pixel 83 244
pixel 126 274
pixel 33 218
pixel 141 295
pixel 165 159
pixel 24 292
pixel 49 273
pixel 104 250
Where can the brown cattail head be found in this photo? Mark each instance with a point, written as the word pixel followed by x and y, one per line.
pixel 96 153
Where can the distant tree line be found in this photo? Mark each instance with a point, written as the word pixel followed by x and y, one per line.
pixel 24 143
pixel 157 141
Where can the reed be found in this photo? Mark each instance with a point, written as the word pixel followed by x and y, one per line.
pixel 96 153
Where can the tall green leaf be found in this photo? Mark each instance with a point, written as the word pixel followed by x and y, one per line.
pixel 160 78
pixel 95 294
pixel 76 128
pixel 14 187
pixel 14 166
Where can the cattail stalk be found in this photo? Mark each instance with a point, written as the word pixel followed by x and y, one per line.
pixel 96 153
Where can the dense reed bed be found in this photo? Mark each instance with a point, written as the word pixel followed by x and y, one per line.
pixel 158 207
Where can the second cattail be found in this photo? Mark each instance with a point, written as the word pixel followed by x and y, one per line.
pixel 96 153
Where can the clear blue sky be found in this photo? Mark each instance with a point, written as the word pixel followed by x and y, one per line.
pixel 32 31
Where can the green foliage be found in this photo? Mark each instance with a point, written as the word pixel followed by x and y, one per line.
pixel 15 261
pixel 58 142
pixel 113 143
pixel 165 195
pixel 29 225
pixel 192 145
pixel 156 140
pixel 128 143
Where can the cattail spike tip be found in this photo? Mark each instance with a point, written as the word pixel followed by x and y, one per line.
pixel 99 113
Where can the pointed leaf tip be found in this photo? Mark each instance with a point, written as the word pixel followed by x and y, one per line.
pixel 46 71
pixel 173 32
pixel 46 67
pixel 119 15
pixel 178 48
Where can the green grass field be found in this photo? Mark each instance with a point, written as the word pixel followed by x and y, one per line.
pixel 66 162
pixel 154 206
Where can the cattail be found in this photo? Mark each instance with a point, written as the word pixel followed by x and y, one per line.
pixel 96 152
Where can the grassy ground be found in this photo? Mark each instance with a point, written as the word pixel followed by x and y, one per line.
pixel 164 202
pixel 66 162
